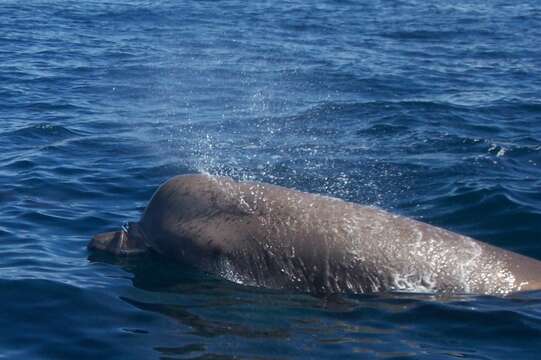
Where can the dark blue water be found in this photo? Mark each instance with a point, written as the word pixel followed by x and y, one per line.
pixel 430 110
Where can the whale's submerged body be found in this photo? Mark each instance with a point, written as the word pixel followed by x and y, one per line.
pixel 266 235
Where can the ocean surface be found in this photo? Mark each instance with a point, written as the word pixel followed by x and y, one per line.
pixel 428 109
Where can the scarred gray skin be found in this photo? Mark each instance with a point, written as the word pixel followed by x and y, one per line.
pixel 266 235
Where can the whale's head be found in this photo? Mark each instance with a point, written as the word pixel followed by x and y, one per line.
pixel 130 240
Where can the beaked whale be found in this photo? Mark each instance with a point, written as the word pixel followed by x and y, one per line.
pixel 266 235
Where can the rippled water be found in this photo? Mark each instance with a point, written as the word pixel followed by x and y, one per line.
pixel 431 110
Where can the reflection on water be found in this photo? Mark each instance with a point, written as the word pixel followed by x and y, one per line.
pixel 214 318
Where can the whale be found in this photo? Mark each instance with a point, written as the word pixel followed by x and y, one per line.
pixel 265 235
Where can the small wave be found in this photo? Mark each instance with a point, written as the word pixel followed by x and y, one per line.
pixel 19 164
pixel 383 129
pixel 42 131
pixel 421 35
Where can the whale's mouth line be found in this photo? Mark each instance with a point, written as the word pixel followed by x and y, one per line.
pixel 135 236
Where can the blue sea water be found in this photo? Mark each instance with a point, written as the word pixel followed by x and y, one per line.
pixel 429 109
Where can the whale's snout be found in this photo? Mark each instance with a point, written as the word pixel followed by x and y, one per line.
pixel 128 241
pixel 108 241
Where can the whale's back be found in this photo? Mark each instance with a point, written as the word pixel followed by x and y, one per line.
pixel 278 237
